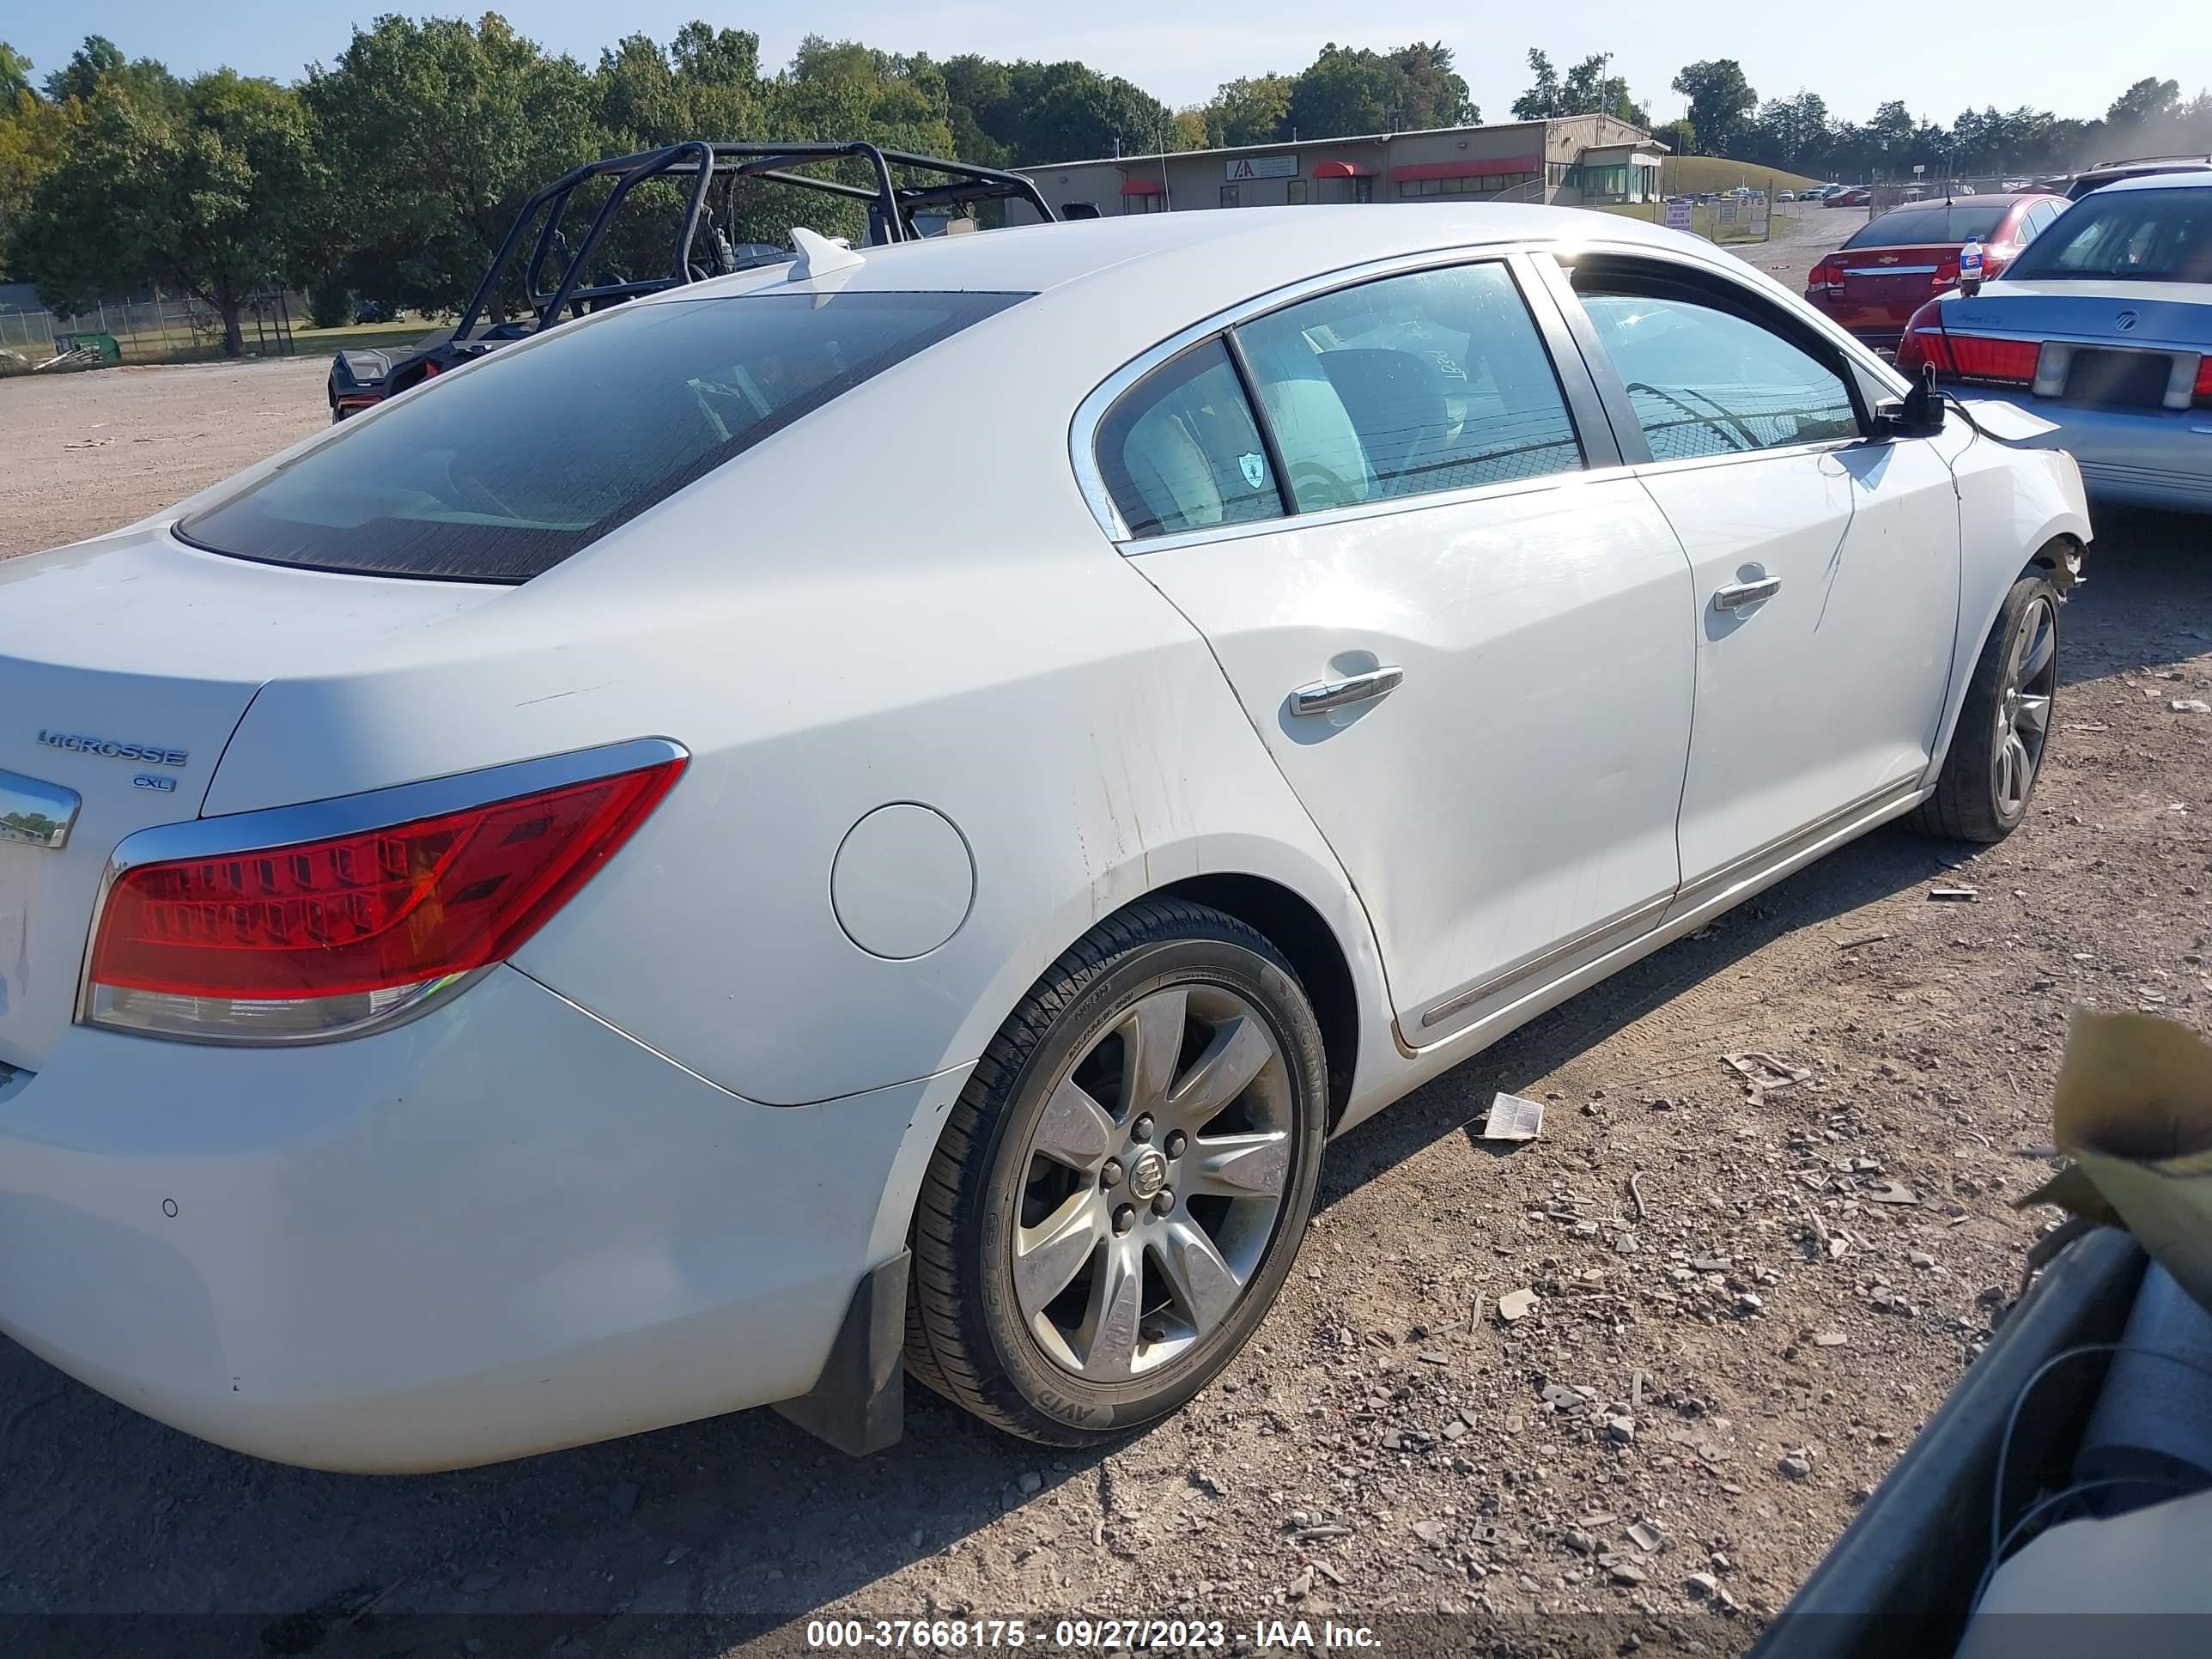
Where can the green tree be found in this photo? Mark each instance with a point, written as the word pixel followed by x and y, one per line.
pixel 1721 103
pixel 1588 90
pixel 94 61
pixel 2149 101
pixel 1252 110
pixel 1067 112
pixel 1426 91
pixel 1792 133
pixel 1345 90
pixel 206 198
pixel 100 62
pixel 1348 90
pixel 439 131
pixel 1541 102
pixel 979 96
pixel 34 135
pixel 15 75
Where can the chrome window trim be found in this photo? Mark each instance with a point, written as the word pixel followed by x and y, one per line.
pixel 1864 373
pixel 1082 430
pixel 345 815
pixel 1286 523
pixel 1764 290
pixel 1738 457
pixel 1889 270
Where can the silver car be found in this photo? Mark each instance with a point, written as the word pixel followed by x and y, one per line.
pixel 2102 328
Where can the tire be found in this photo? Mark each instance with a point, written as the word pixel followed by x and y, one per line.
pixel 1996 750
pixel 1068 1123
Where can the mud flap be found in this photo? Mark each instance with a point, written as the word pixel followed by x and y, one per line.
pixel 858 1402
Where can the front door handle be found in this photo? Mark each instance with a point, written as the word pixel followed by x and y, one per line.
pixel 1737 595
pixel 1322 695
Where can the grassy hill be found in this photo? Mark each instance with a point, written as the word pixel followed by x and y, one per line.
pixel 1688 175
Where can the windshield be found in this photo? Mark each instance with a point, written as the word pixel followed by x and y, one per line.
pixel 500 473
pixel 1944 222
pixel 2135 235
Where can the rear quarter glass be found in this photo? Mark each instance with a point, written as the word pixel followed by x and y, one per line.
pixel 499 474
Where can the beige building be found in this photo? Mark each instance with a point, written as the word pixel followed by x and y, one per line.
pixel 1569 162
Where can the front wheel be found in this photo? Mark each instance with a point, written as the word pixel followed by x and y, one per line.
pixel 2004 723
pixel 1122 1188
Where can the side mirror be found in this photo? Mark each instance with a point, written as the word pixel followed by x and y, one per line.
pixel 1918 414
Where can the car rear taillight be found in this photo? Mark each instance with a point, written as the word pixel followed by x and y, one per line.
pixel 1955 356
pixel 1826 278
pixel 1980 357
pixel 1947 271
pixel 337 934
pixel 2204 393
pixel 1922 344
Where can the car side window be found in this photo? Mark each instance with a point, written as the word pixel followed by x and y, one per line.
pixel 1705 380
pixel 1180 449
pixel 1436 379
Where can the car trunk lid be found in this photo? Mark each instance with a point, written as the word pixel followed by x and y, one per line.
pixel 126 663
pixel 2112 344
pixel 1899 279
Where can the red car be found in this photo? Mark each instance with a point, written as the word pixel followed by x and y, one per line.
pixel 1855 196
pixel 1874 284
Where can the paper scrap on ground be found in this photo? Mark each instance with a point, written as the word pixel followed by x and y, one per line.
pixel 1512 1118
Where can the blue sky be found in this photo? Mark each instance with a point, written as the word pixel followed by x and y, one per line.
pixel 2003 51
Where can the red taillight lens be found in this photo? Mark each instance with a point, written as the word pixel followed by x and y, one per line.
pixel 1923 345
pixel 1947 271
pixel 365 915
pixel 1826 278
pixel 2204 379
pixel 1976 357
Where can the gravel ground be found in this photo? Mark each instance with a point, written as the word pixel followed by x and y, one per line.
pixel 1745 1300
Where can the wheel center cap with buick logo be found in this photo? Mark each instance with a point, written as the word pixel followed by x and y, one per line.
pixel 1148 1174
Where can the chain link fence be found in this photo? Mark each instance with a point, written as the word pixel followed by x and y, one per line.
pixel 153 330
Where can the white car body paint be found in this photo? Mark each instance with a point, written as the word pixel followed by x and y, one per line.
pixel 509 1225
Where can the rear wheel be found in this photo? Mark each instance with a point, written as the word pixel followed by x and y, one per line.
pixel 2004 723
pixel 1124 1182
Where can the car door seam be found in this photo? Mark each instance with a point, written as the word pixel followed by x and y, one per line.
pixel 1351 882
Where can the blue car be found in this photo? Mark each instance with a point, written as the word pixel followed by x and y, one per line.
pixel 2101 328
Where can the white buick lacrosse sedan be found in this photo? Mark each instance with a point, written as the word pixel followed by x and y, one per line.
pixel 879 812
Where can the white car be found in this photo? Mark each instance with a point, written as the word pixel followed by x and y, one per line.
pixel 891 804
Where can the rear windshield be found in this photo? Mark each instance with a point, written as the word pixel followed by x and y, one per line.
pixel 1952 221
pixel 499 474
pixel 2134 235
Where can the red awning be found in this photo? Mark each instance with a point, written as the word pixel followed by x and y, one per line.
pixel 1487 168
pixel 1342 170
pixel 1143 187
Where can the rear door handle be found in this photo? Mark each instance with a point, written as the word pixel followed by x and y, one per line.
pixel 1736 595
pixel 1322 695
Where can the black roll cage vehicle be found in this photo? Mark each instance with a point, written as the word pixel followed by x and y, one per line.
pixel 552 279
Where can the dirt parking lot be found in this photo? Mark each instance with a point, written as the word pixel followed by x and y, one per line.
pixel 1775 1288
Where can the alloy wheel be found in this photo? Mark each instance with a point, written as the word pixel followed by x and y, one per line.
pixel 1152 1182
pixel 2023 722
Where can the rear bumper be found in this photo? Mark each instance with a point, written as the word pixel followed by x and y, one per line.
pixel 1876 325
pixel 502 1229
pixel 2133 458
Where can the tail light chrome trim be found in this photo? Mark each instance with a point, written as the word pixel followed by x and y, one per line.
pixel 326 1019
